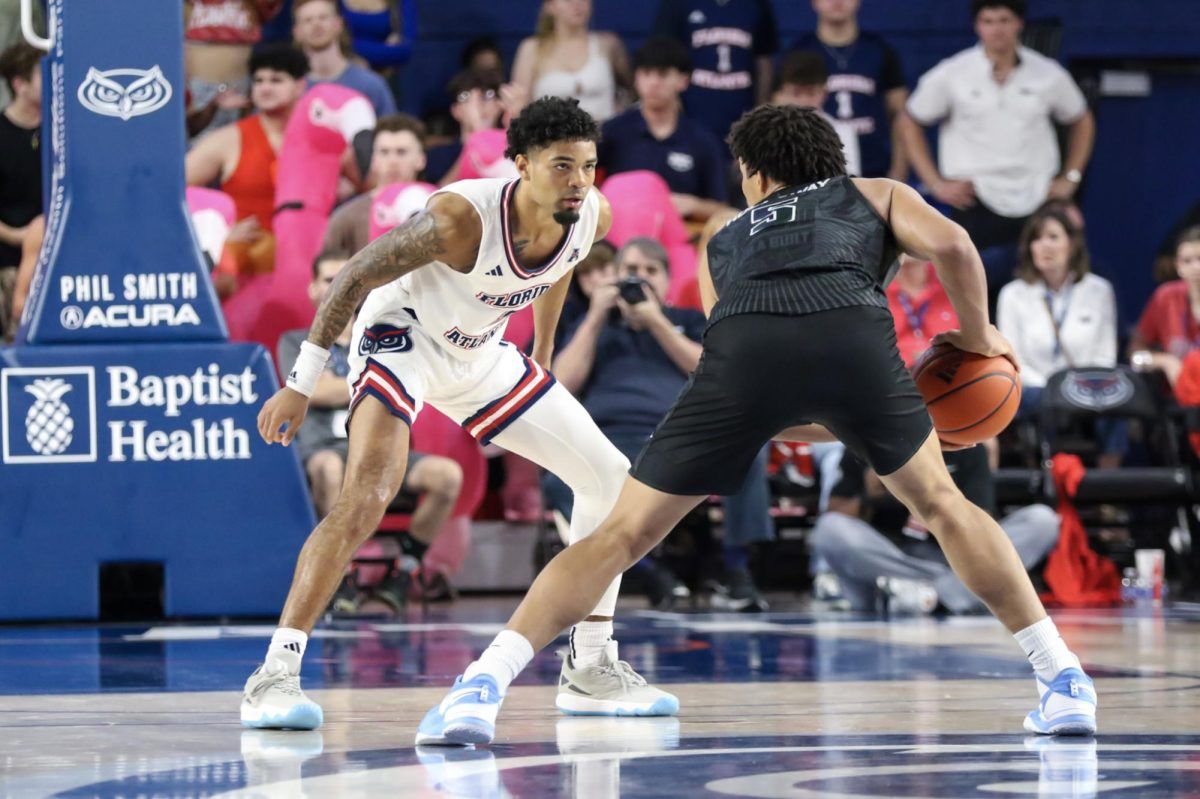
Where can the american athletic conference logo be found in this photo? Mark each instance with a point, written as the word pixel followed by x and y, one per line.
pixel 125 93
pixel 48 414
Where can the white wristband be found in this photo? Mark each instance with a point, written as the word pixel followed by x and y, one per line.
pixel 308 367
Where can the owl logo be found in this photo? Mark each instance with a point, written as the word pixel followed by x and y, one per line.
pixel 125 93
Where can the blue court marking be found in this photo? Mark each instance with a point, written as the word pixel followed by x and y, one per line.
pixel 432 650
pixel 863 765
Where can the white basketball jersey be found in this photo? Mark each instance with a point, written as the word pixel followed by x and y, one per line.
pixel 467 313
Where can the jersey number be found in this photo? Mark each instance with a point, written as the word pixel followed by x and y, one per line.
pixel 770 214
pixel 724 62
pixel 845 109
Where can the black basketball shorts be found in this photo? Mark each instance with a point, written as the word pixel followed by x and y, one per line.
pixel 762 373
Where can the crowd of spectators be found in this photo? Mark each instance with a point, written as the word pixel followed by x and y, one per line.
pixel 622 348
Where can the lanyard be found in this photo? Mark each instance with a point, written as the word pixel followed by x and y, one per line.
pixel 916 317
pixel 1058 319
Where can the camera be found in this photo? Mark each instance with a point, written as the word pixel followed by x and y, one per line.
pixel 632 290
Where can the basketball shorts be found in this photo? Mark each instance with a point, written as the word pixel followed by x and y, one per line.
pixel 761 373
pixel 403 367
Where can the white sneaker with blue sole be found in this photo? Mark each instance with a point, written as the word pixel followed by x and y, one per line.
pixel 611 688
pixel 1068 705
pixel 467 715
pixel 272 700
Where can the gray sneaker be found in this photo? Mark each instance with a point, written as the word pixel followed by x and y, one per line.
pixel 272 699
pixel 611 688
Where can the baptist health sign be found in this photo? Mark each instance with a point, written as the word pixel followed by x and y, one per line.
pixel 49 415
pixel 147 453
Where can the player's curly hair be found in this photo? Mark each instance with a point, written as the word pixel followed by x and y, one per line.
pixel 548 120
pixel 792 145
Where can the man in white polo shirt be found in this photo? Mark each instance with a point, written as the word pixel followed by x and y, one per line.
pixel 998 156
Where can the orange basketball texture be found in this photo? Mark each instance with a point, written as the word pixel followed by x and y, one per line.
pixel 971 398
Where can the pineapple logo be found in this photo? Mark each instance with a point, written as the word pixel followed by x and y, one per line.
pixel 48 424
pixel 48 414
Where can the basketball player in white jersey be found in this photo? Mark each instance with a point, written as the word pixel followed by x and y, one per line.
pixel 436 293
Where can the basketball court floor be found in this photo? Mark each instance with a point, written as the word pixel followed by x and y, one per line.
pixel 788 704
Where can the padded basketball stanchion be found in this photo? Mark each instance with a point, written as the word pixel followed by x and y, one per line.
pixel 127 418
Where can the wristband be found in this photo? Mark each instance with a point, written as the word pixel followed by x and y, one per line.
pixel 308 367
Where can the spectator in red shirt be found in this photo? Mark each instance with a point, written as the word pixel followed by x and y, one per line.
pixel 1168 329
pixel 920 307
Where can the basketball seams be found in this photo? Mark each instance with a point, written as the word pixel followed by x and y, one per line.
pixel 971 382
pixel 1012 385
pixel 949 370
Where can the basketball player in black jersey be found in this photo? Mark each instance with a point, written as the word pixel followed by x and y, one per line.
pixel 800 346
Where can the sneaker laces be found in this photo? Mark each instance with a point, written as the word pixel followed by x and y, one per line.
pixel 626 674
pixel 284 682
pixel 289 685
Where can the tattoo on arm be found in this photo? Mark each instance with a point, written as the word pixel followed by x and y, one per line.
pixel 411 245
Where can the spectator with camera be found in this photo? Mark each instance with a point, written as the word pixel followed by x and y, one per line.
pixel 626 358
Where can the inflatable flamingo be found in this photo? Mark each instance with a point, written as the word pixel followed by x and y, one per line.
pixel 483 156
pixel 641 206
pixel 396 203
pixel 213 214
pixel 322 125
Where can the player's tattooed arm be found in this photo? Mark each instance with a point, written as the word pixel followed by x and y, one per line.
pixel 448 230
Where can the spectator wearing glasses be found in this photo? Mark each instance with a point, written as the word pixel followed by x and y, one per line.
pixel 476 104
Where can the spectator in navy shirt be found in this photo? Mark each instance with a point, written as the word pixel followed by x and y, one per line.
pixel 627 361
pixel 731 44
pixel 866 85
pixel 317 27
pixel 655 135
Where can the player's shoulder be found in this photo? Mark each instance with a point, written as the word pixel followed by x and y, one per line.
pixel 880 191
pixel 727 229
pixel 471 197
pixel 458 217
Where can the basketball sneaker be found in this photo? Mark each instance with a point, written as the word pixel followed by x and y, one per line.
pixel 1068 705
pixel 466 715
pixel 611 688
pixel 272 699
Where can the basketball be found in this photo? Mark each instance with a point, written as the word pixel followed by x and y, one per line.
pixel 970 397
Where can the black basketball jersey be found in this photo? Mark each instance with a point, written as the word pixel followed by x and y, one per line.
pixel 802 250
